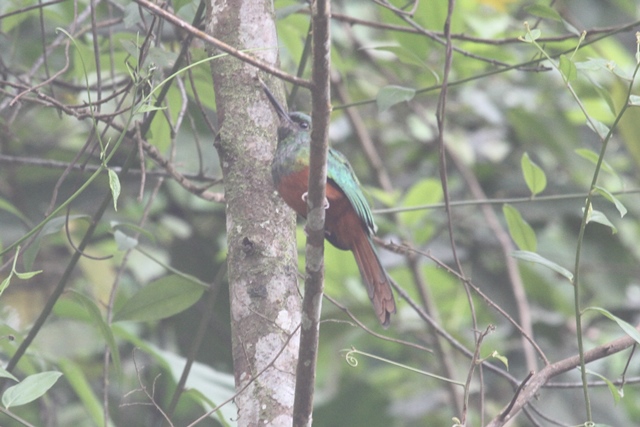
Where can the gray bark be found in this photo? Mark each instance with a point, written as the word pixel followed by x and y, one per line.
pixel 262 257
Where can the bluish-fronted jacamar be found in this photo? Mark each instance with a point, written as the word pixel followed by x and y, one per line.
pixel 348 221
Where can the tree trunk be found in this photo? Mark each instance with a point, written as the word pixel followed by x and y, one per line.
pixel 262 257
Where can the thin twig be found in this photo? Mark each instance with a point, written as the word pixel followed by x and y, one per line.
pixel 253 378
pixel 56 164
pixel 515 395
pixel 198 338
pixel 28 8
pixel 167 16
pixel 513 271
pixel 541 378
pixel 373 333
pixel 475 362
pixel 607 31
pixel 478 291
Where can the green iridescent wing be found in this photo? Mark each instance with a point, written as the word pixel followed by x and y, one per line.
pixel 340 171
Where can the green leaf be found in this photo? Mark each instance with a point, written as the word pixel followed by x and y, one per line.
pixel 77 379
pixel 123 241
pixel 634 100
pixel 606 95
pixel 533 174
pixel 69 308
pixel 160 299
pixel 501 358
pixel 520 231
pixel 5 283
pixel 613 199
pixel 593 64
pixel 531 36
pixel 179 4
pixel 58 223
pixel 29 389
pixel 425 191
pixel 600 218
pixel 389 96
pixel 568 68
pixel 406 56
pixel 598 127
pixel 615 393
pixel 8 207
pixel 621 72
pixel 96 318
pixel 626 327
pixel 543 11
pixel 570 28
pixel 116 225
pixel 24 276
pixel 206 401
pixel 130 47
pixel 592 156
pixel 6 374
pixel 114 184
pixel 538 259
pixel 217 386
pixel 131 18
pixel 28 274
pixel 51 227
pixel 146 108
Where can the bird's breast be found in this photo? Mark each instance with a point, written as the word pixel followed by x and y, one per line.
pixel 290 158
pixel 292 186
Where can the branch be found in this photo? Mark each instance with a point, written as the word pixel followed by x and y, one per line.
pixel 185 26
pixel 484 296
pixel 366 329
pixel 251 381
pixel 27 9
pixel 540 379
pixel 56 164
pixel 611 30
pixel 201 192
pixel 314 283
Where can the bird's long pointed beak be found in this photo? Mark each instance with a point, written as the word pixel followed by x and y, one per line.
pixel 282 113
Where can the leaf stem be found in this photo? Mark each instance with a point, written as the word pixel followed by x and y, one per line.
pixel 352 361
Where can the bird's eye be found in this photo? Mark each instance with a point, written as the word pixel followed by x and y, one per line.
pixel 304 125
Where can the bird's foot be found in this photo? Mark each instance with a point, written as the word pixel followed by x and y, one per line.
pixel 306 194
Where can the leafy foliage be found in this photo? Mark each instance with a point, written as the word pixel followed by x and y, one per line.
pixel 108 126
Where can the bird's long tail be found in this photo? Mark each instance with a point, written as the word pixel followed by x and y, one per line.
pixel 375 278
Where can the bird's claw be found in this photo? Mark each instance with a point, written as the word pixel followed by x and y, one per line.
pixel 306 194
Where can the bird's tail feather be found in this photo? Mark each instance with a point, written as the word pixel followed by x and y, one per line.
pixel 375 278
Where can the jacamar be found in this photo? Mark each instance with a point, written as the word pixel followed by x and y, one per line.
pixel 348 221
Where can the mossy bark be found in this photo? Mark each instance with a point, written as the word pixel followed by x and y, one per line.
pixel 262 258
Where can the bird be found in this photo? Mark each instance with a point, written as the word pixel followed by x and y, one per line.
pixel 349 222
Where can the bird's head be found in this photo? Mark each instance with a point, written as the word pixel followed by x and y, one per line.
pixel 294 122
pixel 289 122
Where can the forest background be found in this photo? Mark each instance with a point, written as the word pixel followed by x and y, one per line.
pixel 497 141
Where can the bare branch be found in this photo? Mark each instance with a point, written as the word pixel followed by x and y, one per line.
pixel 541 378
pixel 314 283
pixel 157 10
